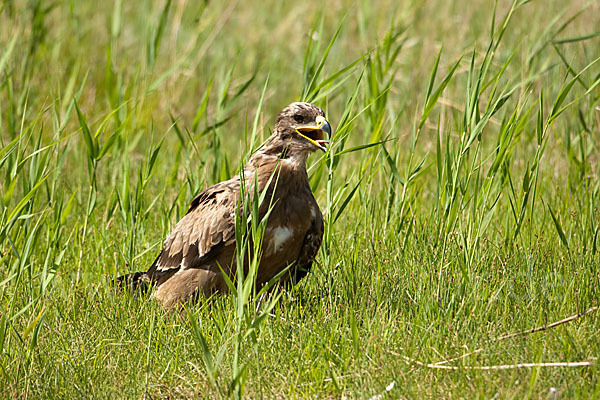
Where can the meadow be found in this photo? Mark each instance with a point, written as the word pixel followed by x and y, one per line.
pixel 460 192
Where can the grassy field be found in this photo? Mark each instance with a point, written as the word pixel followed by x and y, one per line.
pixel 461 196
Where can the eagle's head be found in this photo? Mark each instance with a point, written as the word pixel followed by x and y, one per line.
pixel 302 128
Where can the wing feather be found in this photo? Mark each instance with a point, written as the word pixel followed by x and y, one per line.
pixel 207 226
pixel 310 248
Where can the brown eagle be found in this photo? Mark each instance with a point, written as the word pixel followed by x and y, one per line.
pixel 202 244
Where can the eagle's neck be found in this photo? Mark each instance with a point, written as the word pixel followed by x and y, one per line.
pixel 280 152
pixel 291 166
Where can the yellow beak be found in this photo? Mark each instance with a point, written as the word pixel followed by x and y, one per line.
pixel 318 134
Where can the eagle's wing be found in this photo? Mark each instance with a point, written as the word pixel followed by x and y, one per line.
pixel 206 228
pixel 309 250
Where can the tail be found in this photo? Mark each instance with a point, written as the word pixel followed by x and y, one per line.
pixel 137 281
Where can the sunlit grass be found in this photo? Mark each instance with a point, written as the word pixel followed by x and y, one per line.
pixel 460 194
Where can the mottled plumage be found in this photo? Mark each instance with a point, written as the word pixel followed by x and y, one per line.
pixel 203 241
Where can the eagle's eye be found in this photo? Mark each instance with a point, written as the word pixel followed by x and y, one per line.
pixel 298 118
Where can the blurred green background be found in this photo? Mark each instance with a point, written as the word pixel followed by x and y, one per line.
pixel 460 195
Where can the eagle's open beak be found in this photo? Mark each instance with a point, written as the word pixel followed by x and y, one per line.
pixel 318 135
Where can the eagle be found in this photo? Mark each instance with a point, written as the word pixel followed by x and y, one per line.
pixel 202 245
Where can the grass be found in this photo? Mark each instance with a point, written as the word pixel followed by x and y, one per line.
pixel 460 193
